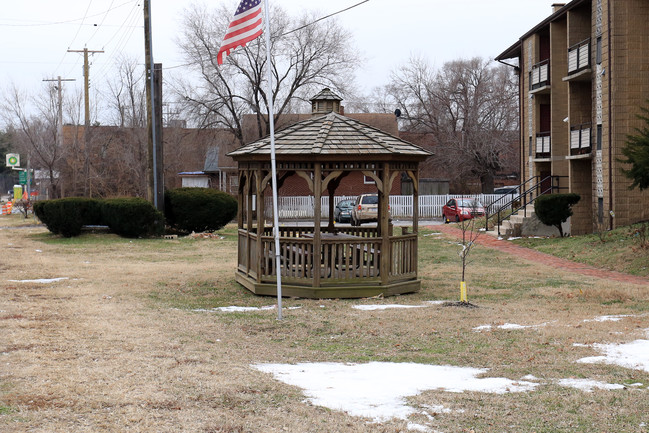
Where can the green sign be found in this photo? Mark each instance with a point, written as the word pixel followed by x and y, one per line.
pixel 22 178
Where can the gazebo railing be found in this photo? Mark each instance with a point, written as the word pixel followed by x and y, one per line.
pixel 403 256
pixel 352 256
pixel 338 259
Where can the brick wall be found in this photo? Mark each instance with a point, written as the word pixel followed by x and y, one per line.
pixel 630 75
pixel 581 183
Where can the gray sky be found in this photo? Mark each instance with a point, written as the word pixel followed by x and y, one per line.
pixel 36 34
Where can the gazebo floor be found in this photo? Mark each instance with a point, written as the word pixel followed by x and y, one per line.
pixel 337 290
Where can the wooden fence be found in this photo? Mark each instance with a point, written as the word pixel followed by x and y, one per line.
pixel 430 206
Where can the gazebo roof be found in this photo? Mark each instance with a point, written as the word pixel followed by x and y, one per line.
pixel 332 135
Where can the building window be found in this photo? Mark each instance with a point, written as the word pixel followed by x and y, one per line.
pixel 599 50
pixel 531 147
pixel 368 180
pixel 600 210
pixel 599 137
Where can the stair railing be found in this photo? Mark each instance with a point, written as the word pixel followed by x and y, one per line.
pixel 531 189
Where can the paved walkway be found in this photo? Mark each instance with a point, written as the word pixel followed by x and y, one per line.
pixel 546 259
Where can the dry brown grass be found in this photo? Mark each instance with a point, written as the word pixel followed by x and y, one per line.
pixel 117 347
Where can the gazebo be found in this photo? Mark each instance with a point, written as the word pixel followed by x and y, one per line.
pixel 324 260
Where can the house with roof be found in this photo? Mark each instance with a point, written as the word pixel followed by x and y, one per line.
pixel 583 76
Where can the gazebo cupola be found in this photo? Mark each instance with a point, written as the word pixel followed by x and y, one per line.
pixel 325 102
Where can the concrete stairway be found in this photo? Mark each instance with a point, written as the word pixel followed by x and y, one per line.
pixel 524 223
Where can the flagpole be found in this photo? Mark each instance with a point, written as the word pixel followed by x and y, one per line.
pixel 273 165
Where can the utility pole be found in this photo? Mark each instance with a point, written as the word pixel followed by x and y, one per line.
pixel 59 88
pixel 86 77
pixel 86 94
pixel 155 187
pixel 59 129
pixel 158 161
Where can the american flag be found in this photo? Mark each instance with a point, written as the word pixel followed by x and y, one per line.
pixel 245 27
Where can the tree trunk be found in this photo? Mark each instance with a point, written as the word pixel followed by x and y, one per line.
pixel 487 182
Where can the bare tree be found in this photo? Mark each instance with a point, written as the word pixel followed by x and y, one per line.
pixel 36 135
pixel 470 109
pixel 304 60
pixel 126 94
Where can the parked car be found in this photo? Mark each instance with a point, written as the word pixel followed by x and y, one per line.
pixel 343 211
pixel 460 209
pixel 366 209
pixel 506 190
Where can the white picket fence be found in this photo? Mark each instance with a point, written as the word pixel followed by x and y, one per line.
pixel 430 206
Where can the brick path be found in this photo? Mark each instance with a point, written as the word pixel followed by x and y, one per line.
pixel 546 259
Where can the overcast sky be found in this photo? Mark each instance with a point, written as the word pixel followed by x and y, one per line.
pixel 36 34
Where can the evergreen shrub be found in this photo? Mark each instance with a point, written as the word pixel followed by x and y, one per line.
pixel 132 217
pixel 128 217
pixel 66 216
pixel 199 209
pixel 555 209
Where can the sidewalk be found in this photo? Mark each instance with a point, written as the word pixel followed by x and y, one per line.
pixel 546 259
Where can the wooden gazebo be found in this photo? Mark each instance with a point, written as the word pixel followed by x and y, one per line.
pixel 324 260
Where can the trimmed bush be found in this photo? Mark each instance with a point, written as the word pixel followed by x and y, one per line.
pixel 132 217
pixel 66 216
pixel 199 209
pixel 128 217
pixel 555 209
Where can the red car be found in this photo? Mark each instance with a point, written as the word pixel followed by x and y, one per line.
pixel 460 209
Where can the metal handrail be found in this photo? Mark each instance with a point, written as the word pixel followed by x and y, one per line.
pixel 523 196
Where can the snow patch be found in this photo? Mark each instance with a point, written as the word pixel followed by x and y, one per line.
pixel 377 390
pixel 588 385
pixel 611 318
pixel 373 307
pixel 40 280
pixel 506 326
pixel 235 309
pixel 633 355
pixel 383 307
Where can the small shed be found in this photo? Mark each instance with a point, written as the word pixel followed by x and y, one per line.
pixel 321 260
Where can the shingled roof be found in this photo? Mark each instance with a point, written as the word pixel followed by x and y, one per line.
pixel 332 136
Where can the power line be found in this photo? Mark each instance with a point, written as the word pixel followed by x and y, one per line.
pixel 55 23
pixel 102 22
pixel 291 31
pixel 324 18
pixel 124 38
pixel 82 21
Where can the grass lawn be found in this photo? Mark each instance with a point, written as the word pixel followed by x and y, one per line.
pixel 625 249
pixel 133 340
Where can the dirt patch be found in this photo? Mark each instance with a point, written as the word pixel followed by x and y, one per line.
pixel 460 304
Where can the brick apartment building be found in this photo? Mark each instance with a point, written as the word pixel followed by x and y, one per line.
pixel 584 74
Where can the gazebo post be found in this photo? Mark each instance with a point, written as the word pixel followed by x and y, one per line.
pixel 317 244
pixel 259 176
pixel 415 202
pixel 384 223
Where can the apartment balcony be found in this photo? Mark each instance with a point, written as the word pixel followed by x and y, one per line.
pixel 579 67
pixel 540 77
pixel 543 149
pixel 581 140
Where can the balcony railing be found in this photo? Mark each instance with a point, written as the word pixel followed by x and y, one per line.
pixel 579 56
pixel 540 75
pixel 580 139
pixel 543 145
